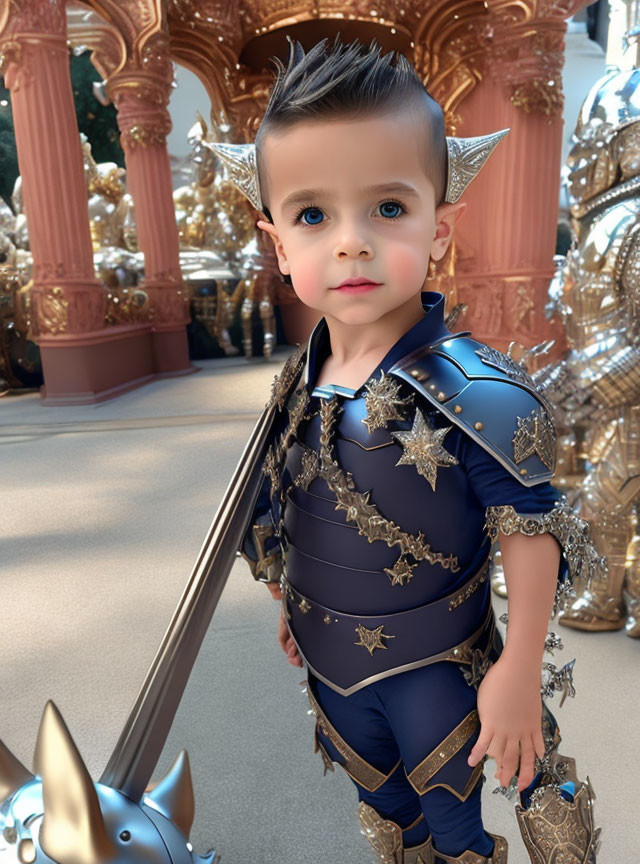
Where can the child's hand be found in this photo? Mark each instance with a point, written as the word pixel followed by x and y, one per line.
pixel 510 710
pixel 274 588
pixel 287 644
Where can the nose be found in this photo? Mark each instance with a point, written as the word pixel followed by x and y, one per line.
pixel 353 244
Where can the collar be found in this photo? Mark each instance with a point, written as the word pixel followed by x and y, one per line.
pixel 429 329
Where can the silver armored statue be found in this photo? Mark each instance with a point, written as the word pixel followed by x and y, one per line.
pixel 596 388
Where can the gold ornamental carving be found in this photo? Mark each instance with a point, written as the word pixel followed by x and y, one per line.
pixel 52 311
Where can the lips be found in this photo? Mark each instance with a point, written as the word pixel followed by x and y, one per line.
pixel 359 282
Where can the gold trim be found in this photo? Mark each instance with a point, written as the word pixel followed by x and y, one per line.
pixel 445 751
pixel 356 767
pixel 457 654
pixel 414 823
pixel 469 786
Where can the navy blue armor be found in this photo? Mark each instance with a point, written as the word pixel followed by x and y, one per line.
pixel 377 500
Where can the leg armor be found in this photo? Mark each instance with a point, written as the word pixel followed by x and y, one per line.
pixel 385 837
pixel 498 856
pixel 553 827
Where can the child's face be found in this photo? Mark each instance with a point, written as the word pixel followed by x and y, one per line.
pixel 344 229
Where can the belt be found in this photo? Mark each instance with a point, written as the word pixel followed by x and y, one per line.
pixel 349 651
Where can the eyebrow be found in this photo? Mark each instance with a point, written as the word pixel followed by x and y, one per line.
pixel 304 195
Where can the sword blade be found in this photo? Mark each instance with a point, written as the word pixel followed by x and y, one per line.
pixel 145 732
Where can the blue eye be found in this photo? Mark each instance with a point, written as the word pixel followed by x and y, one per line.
pixel 310 215
pixel 395 206
pixel 314 211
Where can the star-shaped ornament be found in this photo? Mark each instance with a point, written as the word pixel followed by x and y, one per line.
pixel 382 400
pixel 400 571
pixel 372 639
pixel 423 448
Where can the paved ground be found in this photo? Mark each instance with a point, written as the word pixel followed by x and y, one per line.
pixel 104 512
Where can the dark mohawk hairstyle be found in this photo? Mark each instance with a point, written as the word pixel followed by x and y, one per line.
pixel 354 81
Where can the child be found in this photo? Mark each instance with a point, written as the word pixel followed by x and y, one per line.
pixel 399 452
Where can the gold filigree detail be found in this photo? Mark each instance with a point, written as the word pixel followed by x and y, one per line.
pixel 470 589
pixel 535 434
pixel 567 527
pixel 372 639
pixel 52 311
pixel 382 400
pixel 554 829
pixel 431 764
pixel 423 448
pixel 384 835
pixel 283 382
pixel 356 767
pixel 309 469
pixel 400 571
pixel 370 522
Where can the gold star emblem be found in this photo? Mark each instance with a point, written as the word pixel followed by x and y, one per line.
pixel 423 448
pixel 400 571
pixel 372 639
pixel 382 400
pixel 535 434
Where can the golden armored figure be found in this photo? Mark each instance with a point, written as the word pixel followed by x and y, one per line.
pixel 596 388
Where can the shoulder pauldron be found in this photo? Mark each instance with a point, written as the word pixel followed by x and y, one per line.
pixel 490 397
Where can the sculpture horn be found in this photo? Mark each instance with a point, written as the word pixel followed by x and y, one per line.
pixel 173 794
pixel 73 830
pixel 13 774
pixel 466 159
pixel 242 168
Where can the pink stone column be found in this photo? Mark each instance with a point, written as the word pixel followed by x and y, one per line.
pixel 83 361
pixel 66 297
pixel 506 241
pixel 144 124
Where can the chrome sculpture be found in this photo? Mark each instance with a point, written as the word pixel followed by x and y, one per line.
pixel 596 388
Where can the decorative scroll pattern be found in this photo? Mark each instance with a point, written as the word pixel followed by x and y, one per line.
pixel 455 740
pixel 567 527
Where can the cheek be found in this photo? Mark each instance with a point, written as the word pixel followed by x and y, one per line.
pixel 306 276
pixel 407 263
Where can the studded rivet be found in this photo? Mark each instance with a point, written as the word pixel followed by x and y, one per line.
pixel 479 425
pixel 432 386
pixel 523 471
pixel 458 409
pixel 327 619
pixel 415 373
pixel 441 396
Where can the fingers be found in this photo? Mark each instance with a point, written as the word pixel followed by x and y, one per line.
pixel 274 589
pixel 527 769
pixel 508 764
pixel 287 644
pixel 480 747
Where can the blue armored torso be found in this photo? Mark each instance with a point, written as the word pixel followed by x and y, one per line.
pixel 379 497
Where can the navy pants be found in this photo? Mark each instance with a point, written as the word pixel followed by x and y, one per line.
pixel 406 717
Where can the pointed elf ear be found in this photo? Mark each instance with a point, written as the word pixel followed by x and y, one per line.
pixel 173 794
pixel 466 157
pixel 73 829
